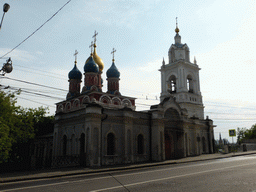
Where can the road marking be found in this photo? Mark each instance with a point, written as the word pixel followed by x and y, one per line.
pixel 173 177
pixel 66 182
pixel 45 185
pixel 139 168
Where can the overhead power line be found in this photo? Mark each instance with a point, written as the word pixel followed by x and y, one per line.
pixel 39 94
pixel 35 30
pixel 44 74
pixel 35 101
pixel 38 70
pixel 35 84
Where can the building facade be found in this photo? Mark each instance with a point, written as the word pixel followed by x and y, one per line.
pixel 95 128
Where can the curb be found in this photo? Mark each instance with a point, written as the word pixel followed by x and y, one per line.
pixel 134 166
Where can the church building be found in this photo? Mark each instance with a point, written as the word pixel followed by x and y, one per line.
pixel 96 128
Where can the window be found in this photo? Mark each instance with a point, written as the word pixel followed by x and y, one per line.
pixel 65 145
pixel 73 143
pixel 190 84
pixel 140 144
pixel 82 144
pixel 172 84
pixel 111 144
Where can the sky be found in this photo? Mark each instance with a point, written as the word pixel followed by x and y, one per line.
pixel 220 34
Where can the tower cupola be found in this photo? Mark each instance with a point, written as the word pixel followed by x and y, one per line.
pixel 113 75
pixel 113 72
pixel 75 77
pixel 75 73
pixel 92 74
pixel 91 66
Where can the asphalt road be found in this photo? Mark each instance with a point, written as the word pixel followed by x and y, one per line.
pixel 230 174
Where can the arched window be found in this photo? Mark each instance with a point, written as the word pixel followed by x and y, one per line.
pixel 65 140
pixel 82 143
pixel 140 144
pixel 172 84
pixel 73 145
pixel 111 144
pixel 190 84
pixel 204 144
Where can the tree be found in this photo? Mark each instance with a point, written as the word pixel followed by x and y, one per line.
pixel 18 126
pixel 7 119
pixel 244 133
pixel 240 134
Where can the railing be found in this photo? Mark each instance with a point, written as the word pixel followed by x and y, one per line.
pixel 66 161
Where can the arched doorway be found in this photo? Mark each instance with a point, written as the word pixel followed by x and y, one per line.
pixel 168 146
pixel 174 135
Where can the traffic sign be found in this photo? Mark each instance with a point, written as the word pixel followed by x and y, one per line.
pixel 232 132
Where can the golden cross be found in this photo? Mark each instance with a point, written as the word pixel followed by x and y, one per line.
pixel 113 52
pixel 75 54
pixel 94 36
pixel 91 46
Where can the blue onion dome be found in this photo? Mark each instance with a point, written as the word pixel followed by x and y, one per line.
pixel 91 66
pixel 75 73
pixel 113 71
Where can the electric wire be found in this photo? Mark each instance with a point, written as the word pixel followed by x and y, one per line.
pixel 35 30
pixel 34 84
pixel 35 101
pixel 40 74
pixel 38 70
pixel 38 94
pixel 31 90
pixel 141 104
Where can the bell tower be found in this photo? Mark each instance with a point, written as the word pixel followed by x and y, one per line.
pixel 180 78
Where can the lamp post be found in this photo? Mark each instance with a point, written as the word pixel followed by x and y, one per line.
pixel 5 9
pixel 7 67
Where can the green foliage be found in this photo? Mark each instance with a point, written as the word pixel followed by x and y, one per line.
pixel 5 141
pixel 244 133
pixel 18 125
pixel 240 134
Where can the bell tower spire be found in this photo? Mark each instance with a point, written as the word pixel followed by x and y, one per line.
pixel 177 37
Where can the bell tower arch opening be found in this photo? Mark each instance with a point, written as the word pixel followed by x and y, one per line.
pixel 172 87
pixel 190 86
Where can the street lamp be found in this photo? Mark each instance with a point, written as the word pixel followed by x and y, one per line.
pixel 7 67
pixel 5 9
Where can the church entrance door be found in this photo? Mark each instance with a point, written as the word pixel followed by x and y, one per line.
pixel 168 145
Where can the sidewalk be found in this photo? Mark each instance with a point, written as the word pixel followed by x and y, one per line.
pixel 51 173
